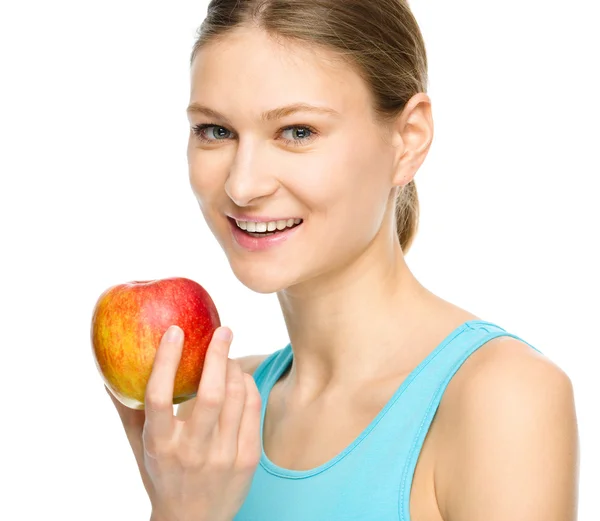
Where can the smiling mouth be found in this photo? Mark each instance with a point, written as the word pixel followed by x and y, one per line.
pixel 280 229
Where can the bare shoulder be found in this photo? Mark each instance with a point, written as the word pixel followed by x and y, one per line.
pixel 508 437
pixel 248 363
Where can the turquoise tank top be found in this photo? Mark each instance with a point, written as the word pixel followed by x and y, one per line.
pixel 370 480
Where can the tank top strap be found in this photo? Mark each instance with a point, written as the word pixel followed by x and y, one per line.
pixel 419 403
pixel 269 370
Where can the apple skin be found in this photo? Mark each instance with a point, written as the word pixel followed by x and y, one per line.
pixel 128 323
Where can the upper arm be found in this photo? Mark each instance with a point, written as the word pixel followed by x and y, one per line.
pixel 248 363
pixel 514 448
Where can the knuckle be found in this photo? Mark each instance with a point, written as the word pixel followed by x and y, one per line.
pixel 211 399
pixel 156 452
pixel 236 390
pixel 189 458
pixel 157 402
pixel 222 461
pixel 254 402
pixel 249 460
pixel 153 449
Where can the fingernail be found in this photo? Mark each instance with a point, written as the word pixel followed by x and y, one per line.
pixel 173 334
pixel 224 333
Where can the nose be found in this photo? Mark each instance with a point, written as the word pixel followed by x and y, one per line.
pixel 248 182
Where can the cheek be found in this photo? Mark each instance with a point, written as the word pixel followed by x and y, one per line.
pixel 204 175
pixel 346 181
pixel 364 183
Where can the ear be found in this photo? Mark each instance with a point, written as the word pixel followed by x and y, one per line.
pixel 412 135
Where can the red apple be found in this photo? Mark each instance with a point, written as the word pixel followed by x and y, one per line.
pixel 128 323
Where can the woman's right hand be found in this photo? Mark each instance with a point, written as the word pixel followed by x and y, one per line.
pixel 199 469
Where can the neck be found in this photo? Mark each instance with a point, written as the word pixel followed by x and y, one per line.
pixel 354 325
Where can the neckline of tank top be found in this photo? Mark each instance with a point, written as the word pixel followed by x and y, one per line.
pixel 287 355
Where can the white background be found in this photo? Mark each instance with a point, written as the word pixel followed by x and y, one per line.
pixel 94 192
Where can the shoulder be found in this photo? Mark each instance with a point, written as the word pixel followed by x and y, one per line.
pixel 250 363
pixel 512 441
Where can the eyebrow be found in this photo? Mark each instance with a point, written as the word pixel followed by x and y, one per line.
pixel 269 115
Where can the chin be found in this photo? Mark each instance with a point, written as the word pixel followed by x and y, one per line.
pixel 261 280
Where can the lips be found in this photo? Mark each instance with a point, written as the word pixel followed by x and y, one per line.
pixel 256 243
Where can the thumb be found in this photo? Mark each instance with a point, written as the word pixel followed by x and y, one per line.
pixel 132 419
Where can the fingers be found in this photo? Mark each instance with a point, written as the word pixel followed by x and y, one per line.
pixel 231 413
pixel 211 390
pixel 249 437
pixel 158 400
pixel 228 408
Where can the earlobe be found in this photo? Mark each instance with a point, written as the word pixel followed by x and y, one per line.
pixel 405 175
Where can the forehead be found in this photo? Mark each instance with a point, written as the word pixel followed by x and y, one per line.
pixel 249 69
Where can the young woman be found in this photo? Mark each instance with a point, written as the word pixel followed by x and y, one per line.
pixel 309 120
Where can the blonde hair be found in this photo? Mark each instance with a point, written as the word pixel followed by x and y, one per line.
pixel 380 39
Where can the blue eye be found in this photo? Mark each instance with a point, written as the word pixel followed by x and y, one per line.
pixel 200 132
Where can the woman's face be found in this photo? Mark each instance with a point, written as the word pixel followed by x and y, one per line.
pixel 333 171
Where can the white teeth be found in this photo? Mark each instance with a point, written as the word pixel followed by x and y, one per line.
pixel 270 226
